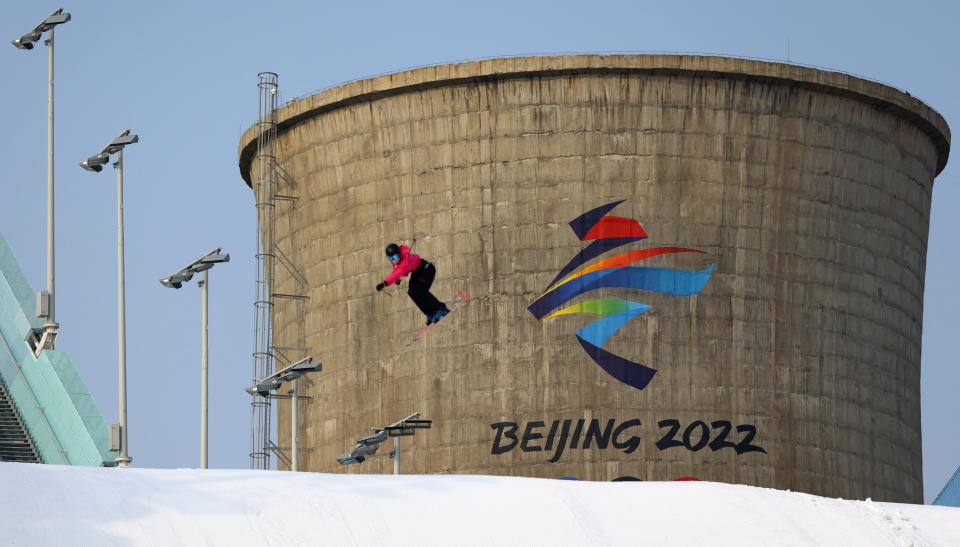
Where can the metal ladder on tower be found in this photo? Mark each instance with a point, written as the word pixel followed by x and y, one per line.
pixel 281 292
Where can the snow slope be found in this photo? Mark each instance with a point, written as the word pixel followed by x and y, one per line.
pixel 59 505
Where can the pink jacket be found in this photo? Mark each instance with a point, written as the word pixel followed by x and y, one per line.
pixel 407 263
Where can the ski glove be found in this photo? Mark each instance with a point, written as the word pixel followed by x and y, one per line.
pixel 381 285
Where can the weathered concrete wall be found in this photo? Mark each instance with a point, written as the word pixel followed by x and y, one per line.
pixel 808 192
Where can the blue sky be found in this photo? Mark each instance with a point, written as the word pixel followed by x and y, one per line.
pixel 183 76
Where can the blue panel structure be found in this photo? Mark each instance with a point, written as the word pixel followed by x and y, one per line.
pixel 52 399
pixel 950 495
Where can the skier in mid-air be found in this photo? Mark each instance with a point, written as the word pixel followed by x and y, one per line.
pixel 421 277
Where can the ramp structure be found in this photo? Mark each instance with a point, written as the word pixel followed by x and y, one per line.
pixel 15 443
pixel 46 412
pixel 950 495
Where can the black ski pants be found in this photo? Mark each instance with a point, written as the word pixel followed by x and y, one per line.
pixel 419 288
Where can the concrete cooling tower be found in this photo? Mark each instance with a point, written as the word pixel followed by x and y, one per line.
pixel 680 266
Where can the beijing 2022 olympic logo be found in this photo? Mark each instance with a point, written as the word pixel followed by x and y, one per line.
pixel 608 233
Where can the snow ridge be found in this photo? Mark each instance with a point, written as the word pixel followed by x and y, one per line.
pixel 56 505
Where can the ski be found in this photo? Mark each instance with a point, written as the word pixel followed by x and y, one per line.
pixel 459 300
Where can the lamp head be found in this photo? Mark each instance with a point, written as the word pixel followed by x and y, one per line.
pixel 365 450
pixel 176 280
pixel 122 140
pixel 208 261
pixel 264 388
pixel 217 258
pixel 95 163
pixel 27 40
pixel 205 262
pixel 373 440
pixel 273 382
pixel 55 18
pixel 349 459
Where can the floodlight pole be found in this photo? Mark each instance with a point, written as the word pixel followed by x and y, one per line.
pixel 204 373
pixel 50 325
pixel 396 455
pixel 294 427
pixel 123 460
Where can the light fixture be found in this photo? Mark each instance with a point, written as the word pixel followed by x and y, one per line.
pixel 201 264
pixel 176 281
pixel 369 445
pixel 46 300
pixel 96 163
pixel 27 40
pixel 291 373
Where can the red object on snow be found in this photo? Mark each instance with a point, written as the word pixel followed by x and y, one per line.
pixel 687 479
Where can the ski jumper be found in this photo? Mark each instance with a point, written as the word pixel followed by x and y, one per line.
pixel 421 275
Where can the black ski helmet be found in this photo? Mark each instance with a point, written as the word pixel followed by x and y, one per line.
pixel 393 250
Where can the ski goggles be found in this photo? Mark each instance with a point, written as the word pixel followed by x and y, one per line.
pixel 394 258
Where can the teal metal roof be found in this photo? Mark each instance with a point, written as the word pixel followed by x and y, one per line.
pixel 950 495
pixel 53 401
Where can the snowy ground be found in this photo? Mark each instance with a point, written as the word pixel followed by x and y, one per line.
pixel 57 505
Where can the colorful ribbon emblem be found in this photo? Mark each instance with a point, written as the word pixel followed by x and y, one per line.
pixel 608 233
